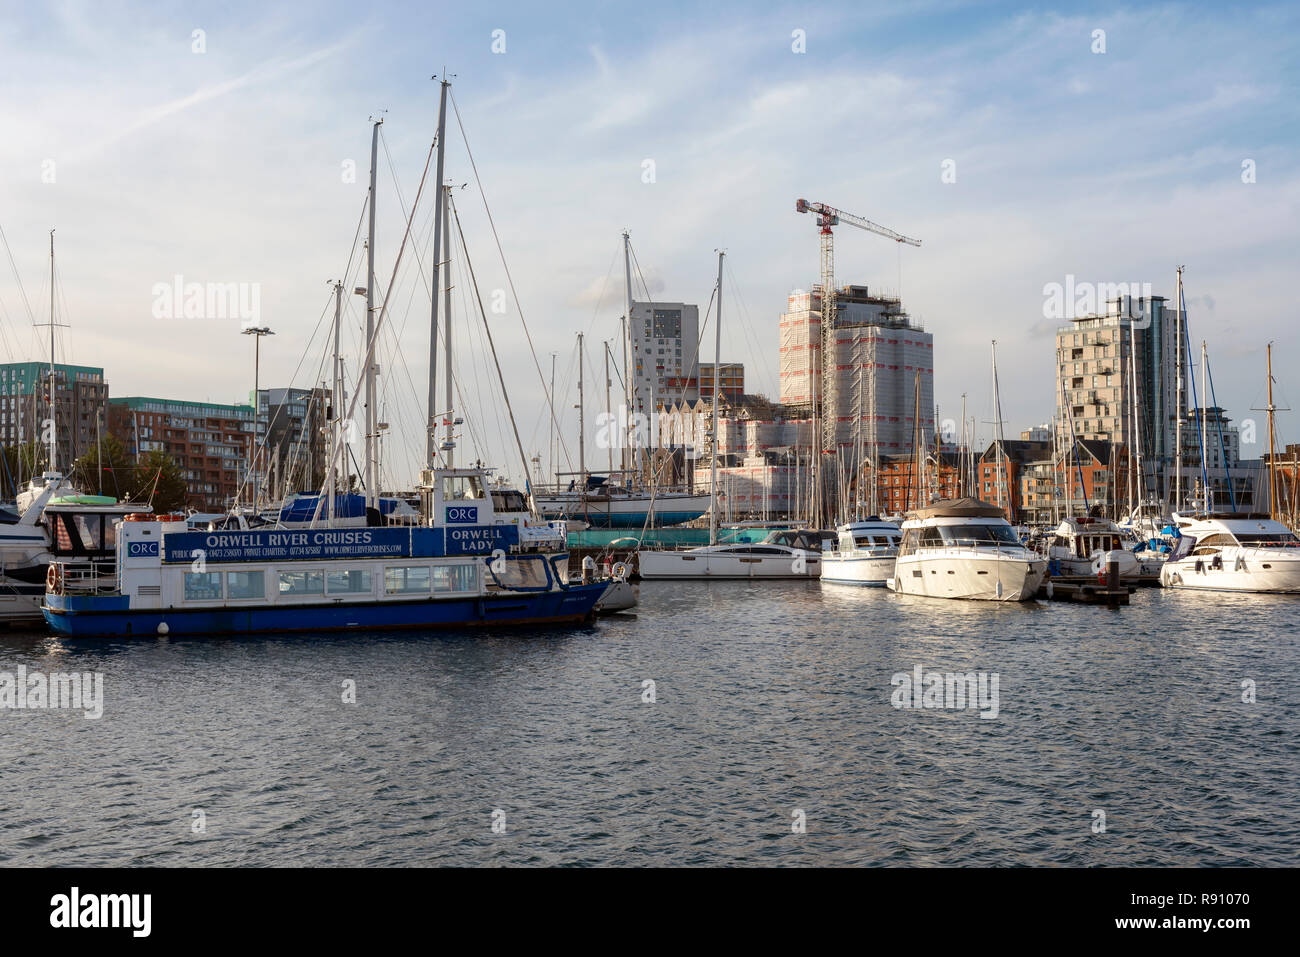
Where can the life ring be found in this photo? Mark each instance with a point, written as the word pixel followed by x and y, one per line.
pixel 54 579
pixel 138 517
pixel 619 571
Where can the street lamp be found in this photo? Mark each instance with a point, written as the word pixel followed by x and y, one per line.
pixel 257 331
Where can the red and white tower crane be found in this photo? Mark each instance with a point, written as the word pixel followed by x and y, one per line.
pixel 828 216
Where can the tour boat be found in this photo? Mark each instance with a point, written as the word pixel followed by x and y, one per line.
pixel 465 568
pixel 1233 552
pixel 965 548
pixel 864 553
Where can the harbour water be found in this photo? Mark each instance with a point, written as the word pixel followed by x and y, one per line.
pixel 772 706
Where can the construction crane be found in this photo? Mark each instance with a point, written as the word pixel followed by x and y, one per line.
pixel 828 216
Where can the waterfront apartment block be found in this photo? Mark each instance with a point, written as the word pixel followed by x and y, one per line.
pixel 730 374
pixel 879 351
pixel 80 406
pixel 293 421
pixel 1101 360
pixel 212 443
pixel 665 349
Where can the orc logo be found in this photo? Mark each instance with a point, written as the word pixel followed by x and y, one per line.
pixel 462 514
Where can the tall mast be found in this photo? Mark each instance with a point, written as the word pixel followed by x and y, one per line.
pixel 629 384
pixel 609 418
pixel 450 443
pixel 582 445
pixel 1272 444
pixel 1205 449
pixel 337 404
pixel 997 415
pixel 717 381
pixel 439 229
pixel 962 487
pixel 372 419
pixel 1178 401
pixel 51 429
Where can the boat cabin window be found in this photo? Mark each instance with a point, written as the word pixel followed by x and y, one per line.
pixel 79 534
pixel 509 501
pixel 527 573
pixel 979 535
pixel 1214 542
pixel 245 585
pixel 306 582
pixel 930 538
pixel 1269 540
pixel 451 578
pixel 407 580
pixel 460 488
pixel 353 582
pixel 202 586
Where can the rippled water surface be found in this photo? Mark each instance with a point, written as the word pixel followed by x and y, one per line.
pixel 770 699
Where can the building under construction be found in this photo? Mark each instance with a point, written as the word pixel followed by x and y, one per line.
pixel 879 351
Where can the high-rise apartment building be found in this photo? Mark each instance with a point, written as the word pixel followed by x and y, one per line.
pixel 80 407
pixel 665 351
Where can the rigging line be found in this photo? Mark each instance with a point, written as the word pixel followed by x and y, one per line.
pixel 509 278
pixel 262 445
pixel 368 358
pixel 523 457
pixel 17 278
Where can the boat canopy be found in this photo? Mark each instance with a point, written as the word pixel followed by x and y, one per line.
pixel 958 508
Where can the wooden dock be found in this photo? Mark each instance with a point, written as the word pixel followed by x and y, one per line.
pixel 1085 592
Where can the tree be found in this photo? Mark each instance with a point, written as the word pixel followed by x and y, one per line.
pixel 160 481
pixel 106 469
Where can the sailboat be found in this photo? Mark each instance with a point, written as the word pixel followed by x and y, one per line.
pixel 464 566
pixel 1235 551
pixel 601 502
pixel 54 522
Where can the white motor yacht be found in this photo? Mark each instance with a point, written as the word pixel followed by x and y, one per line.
pixel 864 553
pixel 965 548
pixel 1233 552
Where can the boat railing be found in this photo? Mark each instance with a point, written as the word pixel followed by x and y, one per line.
pixel 88 577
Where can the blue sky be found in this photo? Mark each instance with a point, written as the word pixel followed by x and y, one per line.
pixel 224 166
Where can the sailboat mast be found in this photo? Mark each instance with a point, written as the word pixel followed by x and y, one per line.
pixel 1205 449
pixel 1178 401
pixel 582 443
pixel 997 415
pixel 450 444
pixel 609 418
pixel 372 499
pixel 1272 443
pixel 337 404
pixel 629 385
pixel 717 382
pixel 438 230
pixel 50 429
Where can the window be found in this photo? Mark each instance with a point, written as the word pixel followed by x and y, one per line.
pixel 461 488
pixel 406 581
pixel 302 583
pixel 352 582
pixel 245 585
pixel 455 578
pixel 202 586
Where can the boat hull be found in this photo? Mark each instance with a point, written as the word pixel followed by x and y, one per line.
pixel 857 571
pixel 615 512
pixel 972 577
pixel 101 617
pixel 681 565
pixel 1282 579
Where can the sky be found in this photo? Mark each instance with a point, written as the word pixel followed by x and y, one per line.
pixel 229 143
